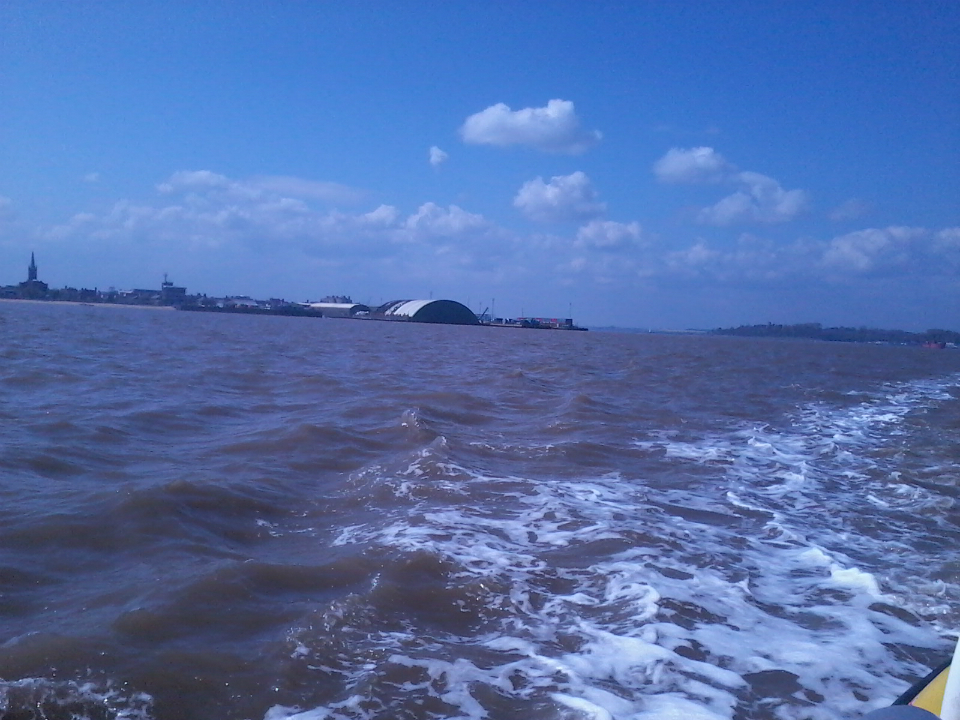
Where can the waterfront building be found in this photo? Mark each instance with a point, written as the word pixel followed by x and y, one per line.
pixel 170 294
pixel 32 288
pixel 339 309
pixel 448 312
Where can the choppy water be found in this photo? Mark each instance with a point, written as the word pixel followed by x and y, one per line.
pixel 208 517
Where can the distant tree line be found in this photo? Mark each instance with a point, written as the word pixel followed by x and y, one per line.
pixel 815 331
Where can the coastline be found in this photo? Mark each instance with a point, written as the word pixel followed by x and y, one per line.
pixel 87 304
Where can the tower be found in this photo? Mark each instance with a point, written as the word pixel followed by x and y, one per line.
pixel 31 288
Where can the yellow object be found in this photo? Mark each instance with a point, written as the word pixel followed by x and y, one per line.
pixel 931 697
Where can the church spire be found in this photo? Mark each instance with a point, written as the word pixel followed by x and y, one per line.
pixel 32 270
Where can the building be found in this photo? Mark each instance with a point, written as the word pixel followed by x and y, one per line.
pixel 171 295
pixel 32 288
pixel 447 312
pixel 339 309
pixel 138 296
pixel 552 323
pixel 240 301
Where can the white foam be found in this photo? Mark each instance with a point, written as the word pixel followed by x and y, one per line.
pixel 751 568
pixel 590 711
pixel 855 579
pixel 673 706
pixel 283 712
pixel 29 695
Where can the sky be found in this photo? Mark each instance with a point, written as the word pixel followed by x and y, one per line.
pixel 664 165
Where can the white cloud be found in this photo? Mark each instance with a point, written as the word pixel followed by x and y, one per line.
pixel 694 165
pixel 946 249
pixel 948 240
pixel 328 192
pixel 554 128
pixel 606 269
pixel 205 212
pixel 385 215
pixel 893 252
pixel 432 221
pixel 437 156
pixel 761 200
pixel 91 177
pixel 199 210
pixel 260 187
pixel 606 253
pixel 850 210
pixel 193 180
pixel 566 198
pixel 608 235
pixel 874 248
pixel 694 257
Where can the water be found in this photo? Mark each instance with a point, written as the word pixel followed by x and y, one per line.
pixel 297 519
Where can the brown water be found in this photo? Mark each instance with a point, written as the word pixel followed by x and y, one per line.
pixel 238 517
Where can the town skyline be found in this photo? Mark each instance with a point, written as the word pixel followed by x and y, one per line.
pixel 167 294
pixel 174 296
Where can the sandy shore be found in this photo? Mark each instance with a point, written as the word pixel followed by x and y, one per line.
pixel 87 304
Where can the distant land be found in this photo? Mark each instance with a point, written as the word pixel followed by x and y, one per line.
pixel 172 296
pixel 449 312
pixel 815 331
pixel 811 331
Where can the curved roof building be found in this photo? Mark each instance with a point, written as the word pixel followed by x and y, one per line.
pixel 448 312
pixel 331 309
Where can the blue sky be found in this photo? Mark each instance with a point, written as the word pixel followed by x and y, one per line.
pixel 642 164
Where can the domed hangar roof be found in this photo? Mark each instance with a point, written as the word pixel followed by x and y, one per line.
pixel 331 309
pixel 448 312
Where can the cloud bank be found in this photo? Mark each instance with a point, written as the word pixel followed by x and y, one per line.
pixel 265 226
pixel 260 187
pixel 758 199
pixel 203 210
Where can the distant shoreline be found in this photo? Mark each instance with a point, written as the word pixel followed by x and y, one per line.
pixel 88 304
pixel 815 331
